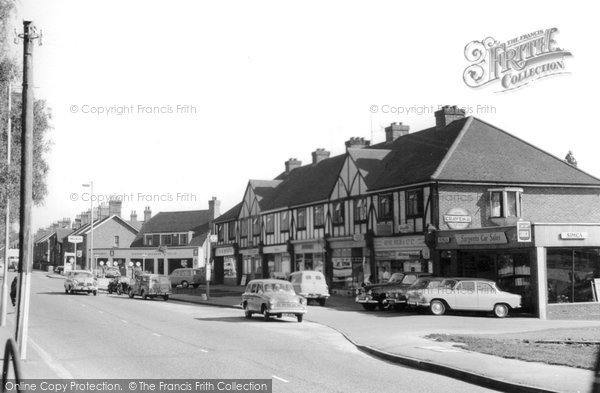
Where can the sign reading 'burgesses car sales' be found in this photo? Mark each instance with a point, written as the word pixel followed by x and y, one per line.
pixel 481 238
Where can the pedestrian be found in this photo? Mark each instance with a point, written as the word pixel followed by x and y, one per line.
pixel 13 292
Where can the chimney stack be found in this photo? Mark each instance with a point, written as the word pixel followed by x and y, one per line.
pixel 447 114
pixel 395 131
pixel 147 214
pixel 357 143
pixel 85 218
pixel 214 209
pixel 292 164
pixel 103 210
pixel 77 223
pixel 133 217
pixel 114 207
pixel 319 155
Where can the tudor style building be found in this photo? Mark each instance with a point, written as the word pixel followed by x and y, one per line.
pixel 446 200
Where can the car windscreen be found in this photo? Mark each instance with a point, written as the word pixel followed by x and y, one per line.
pixel 409 279
pixel 423 283
pixel 81 276
pixel 277 287
pixel 396 277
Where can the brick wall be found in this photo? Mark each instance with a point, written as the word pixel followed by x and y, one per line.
pixel 539 204
pixel 587 311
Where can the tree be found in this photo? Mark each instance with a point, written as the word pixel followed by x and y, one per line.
pixel 10 177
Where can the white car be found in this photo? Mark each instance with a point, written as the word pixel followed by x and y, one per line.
pixel 80 281
pixel 468 294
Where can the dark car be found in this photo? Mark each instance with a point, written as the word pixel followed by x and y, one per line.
pixel 396 297
pixel 372 296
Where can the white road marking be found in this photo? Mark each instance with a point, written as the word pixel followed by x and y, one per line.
pixel 280 379
pixel 60 371
pixel 124 321
pixel 100 312
pixel 203 350
pixel 156 334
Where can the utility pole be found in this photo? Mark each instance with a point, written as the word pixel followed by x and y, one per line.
pixel 30 33
pixel 4 304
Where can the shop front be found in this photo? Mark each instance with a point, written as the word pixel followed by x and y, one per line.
pixel 400 254
pixel 309 256
pixel 149 260
pixel 252 267
pixel 278 261
pixel 351 263
pixel 225 261
pixel 569 277
pixel 489 253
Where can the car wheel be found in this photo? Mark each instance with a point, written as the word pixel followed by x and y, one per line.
pixel 110 291
pixel 165 297
pixel 265 312
pixel 119 291
pixel 131 293
pixel 500 310
pixel 95 293
pixel 383 306
pixel 299 317
pixel 437 307
pixel 322 302
pixel 247 313
pixel 144 296
pixel 185 284
pixel 369 306
pixel 67 291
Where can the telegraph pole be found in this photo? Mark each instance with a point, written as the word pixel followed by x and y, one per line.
pixel 30 33
pixel 4 304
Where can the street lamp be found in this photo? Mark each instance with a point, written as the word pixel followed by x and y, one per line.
pixel 91 186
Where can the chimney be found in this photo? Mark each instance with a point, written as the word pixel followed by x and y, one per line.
pixel 147 214
pixel 133 217
pixel 64 223
pixel 77 223
pixel 395 131
pixel 292 164
pixel 319 155
pixel 114 207
pixel 357 143
pixel 447 114
pixel 104 210
pixel 214 208
pixel 85 218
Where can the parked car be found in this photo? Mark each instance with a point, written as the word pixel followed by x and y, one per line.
pixel 187 276
pixel 372 296
pixel 80 281
pixel 59 270
pixel 271 297
pixel 397 296
pixel 150 286
pixel 468 294
pixel 111 272
pixel 311 285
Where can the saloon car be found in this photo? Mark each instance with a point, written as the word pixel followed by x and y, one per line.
pixel 465 294
pixel 80 281
pixel 372 296
pixel 271 297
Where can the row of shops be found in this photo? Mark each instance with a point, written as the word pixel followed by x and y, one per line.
pixel 554 267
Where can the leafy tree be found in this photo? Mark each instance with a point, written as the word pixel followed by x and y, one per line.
pixel 10 176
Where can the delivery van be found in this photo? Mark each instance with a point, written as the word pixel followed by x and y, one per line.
pixel 311 285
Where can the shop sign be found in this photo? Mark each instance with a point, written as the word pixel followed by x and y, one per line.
pixel 481 238
pixel 573 235
pixel 358 237
pixel 457 218
pixel 443 240
pixel 250 251
pixel 409 227
pixel 79 253
pixel 399 242
pixel 75 239
pixel 523 231
pixel 224 251
pixel 275 249
pixel 384 229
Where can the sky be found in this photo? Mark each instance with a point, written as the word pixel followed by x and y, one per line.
pixel 170 103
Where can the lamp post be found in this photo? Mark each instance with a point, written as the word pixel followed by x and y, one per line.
pixel 91 186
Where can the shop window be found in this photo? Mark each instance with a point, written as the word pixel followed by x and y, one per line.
pixel 338 213
pixel 319 215
pixel 571 274
pixel 385 205
pixel 285 221
pixel 505 202
pixel 231 230
pixel 270 225
pixel 414 203
pixel 244 228
pixel 301 222
pixel 360 210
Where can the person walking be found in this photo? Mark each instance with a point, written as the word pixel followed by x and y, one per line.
pixel 13 291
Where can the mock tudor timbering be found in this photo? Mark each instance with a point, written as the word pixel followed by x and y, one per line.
pixel 444 200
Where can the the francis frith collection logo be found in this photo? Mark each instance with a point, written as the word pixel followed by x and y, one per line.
pixel 516 62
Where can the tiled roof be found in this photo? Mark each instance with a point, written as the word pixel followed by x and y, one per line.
pixel 230 215
pixel 61 233
pixel 309 183
pixel 264 190
pixel 485 153
pixel 168 222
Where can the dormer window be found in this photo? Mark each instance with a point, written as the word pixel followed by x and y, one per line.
pixel 505 202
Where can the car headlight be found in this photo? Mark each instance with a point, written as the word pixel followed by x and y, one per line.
pixel 271 301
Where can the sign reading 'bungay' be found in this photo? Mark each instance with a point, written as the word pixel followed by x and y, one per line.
pixel 481 238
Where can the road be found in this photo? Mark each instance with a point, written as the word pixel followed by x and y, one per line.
pixel 110 336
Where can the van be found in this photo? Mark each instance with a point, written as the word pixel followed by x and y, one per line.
pixel 187 276
pixel 311 285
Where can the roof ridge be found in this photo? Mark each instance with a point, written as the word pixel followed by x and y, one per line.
pixel 535 147
pixel 453 147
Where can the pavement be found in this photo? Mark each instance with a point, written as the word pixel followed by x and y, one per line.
pixel 398 338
